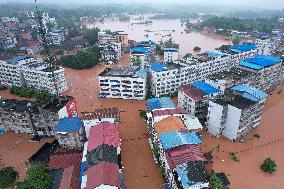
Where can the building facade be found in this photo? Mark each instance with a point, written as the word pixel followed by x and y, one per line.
pixel 236 114
pixel 171 54
pixel 123 82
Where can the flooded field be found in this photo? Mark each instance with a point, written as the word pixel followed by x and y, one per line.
pixel 163 30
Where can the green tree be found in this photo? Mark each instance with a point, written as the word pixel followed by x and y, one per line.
pixel 268 166
pixel 7 177
pixel 136 61
pixel 91 36
pixel 37 177
pixel 196 48
pixel 215 182
pixel 234 156
pixel 236 40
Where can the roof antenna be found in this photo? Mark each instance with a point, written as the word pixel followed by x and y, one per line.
pixel 50 59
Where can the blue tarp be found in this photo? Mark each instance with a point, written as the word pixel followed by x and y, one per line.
pixel 249 92
pixel 2 131
pixel 69 124
pixel 139 50
pixel 82 170
pixel 205 87
pixel 171 49
pixel 214 54
pixel 260 62
pixel 174 139
pixel 158 67
pixel 160 103
pixel 244 47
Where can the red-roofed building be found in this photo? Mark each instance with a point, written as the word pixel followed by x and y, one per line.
pixel 70 162
pixel 103 175
pixel 103 133
pixel 184 153
pixel 64 160
pixel 192 92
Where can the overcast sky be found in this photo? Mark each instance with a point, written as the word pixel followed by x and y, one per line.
pixel 271 4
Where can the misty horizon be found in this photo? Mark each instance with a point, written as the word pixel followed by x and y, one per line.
pixel 249 5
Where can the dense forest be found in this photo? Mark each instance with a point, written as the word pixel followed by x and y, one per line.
pixel 231 23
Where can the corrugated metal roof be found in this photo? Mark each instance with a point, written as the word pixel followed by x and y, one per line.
pixel 260 62
pixel 184 153
pixel 69 124
pixel 64 160
pixel 103 173
pixel 249 92
pixel 174 139
pixel 244 47
pixel 160 103
pixel 192 173
pixel 102 153
pixel 193 92
pixel 101 113
pixel 171 123
pixel 205 87
pixel 103 133
pixel 158 67
pixel 168 112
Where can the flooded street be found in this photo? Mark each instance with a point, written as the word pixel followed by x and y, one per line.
pixel 162 30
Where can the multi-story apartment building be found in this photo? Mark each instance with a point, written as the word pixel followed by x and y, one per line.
pixel 165 78
pixel 56 36
pixel 227 79
pixel 39 77
pixel 237 113
pixel 111 51
pixel 142 54
pixel 268 70
pixel 194 99
pixel 171 54
pixel 117 36
pixel 28 72
pixel 123 82
pixel 31 118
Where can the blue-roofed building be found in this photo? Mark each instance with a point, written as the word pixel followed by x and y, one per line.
pixel 194 98
pixel 69 132
pixel 192 175
pixel 160 103
pixel 238 114
pixel 142 54
pixel 243 48
pixel 267 68
pixel 174 139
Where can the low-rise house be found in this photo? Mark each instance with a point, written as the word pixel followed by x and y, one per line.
pixel 65 170
pixel 70 132
pixel 123 82
pixel 194 98
pixel 117 36
pixel 236 114
pixel 90 119
pixel 192 175
pixel 56 37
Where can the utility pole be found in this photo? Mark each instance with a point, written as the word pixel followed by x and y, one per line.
pixel 49 58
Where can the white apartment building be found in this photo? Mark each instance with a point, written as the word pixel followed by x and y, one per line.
pixel 235 115
pixel 56 37
pixel 165 78
pixel 194 98
pixel 123 82
pixel 10 71
pixel 268 70
pixel 117 36
pixel 171 54
pixel 112 51
pixel 39 77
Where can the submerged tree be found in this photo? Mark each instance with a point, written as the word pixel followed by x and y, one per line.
pixel 268 166
pixel 215 182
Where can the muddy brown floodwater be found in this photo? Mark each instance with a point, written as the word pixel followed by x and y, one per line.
pixel 162 30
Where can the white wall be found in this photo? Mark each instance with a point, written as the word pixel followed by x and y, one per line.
pixel 232 123
pixel 214 118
